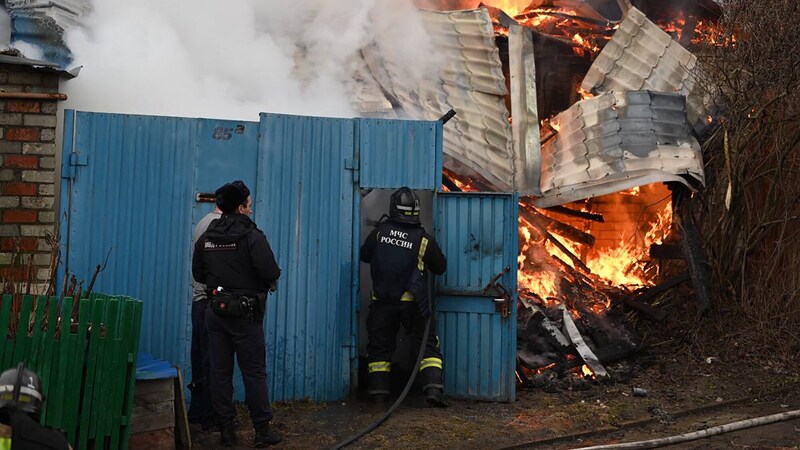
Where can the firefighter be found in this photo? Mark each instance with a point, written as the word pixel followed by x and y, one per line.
pixel 235 261
pixel 400 252
pixel 21 398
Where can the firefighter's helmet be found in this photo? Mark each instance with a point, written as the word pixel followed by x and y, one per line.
pixel 404 206
pixel 21 389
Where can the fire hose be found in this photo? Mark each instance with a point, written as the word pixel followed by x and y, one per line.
pixel 727 428
pixel 403 394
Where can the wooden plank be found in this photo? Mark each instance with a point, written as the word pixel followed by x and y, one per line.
pixel 23 341
pixel 104 369
pixel 5 315
pixel 48 350
pixel 123 335
pixel 133 352
pixel 154 391
pixel 154 440
pixel 146 420
pixel 141 409
pixel 37 335
pixel 575 213
pixel 117 368
pixel 90 381
pixel 62 366
pixel 182 433
pixel 77 346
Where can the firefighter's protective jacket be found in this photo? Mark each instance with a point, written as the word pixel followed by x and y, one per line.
pixel 394 251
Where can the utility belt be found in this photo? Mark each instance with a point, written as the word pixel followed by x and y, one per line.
pixel 230 304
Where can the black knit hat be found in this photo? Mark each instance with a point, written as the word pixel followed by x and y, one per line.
pixel 231 195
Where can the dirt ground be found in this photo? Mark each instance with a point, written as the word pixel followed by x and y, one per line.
pixel 688 390
pixel 676 384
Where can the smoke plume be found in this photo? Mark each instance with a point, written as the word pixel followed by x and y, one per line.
pixel 204 58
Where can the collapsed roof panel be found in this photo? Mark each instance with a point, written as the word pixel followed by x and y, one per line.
pixel 641 56
pixel 470 81
pixel 616 141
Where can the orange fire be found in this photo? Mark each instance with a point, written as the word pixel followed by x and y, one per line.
pixel 705 32
pixel 510 7
pixel 584 95
pixel 588 37
pixel 620 256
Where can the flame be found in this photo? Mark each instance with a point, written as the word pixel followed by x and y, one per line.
pixel 463 183
pixel 510 7
pixel 587 371
pixel 623 264
pixel 705 32
pixel 589 37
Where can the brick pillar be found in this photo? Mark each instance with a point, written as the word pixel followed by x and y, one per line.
pixel 27 174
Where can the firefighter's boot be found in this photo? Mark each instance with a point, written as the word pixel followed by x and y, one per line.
pixel 227 434
pixel 435 397
pixel 265 437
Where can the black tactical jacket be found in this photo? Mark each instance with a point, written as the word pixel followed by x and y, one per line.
pixel 393 253
pixel 234 253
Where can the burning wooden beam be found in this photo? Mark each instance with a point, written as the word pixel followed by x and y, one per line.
pixel 560 209
pixel 557 227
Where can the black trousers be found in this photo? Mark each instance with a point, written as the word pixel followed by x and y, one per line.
pixel 383 323
pixel 244 337
pixel 200 409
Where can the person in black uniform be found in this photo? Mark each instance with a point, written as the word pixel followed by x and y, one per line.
pixel 400 252
pixel 21 398
pixel 234 260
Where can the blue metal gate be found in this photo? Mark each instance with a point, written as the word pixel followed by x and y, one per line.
pixel 131 185
pixel 128 189
pixel 478 234
pixel 307 204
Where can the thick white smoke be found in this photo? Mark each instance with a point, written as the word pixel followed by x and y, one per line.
pixel 204 58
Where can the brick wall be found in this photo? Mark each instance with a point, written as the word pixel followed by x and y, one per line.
pixel 27 172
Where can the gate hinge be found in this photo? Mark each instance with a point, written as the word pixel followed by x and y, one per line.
pixel 352 164
pixel 76 159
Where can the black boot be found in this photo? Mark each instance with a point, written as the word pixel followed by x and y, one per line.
pixel 435 397
pixel 265 437
pixel 227 434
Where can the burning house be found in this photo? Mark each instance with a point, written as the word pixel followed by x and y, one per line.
pixel 574 144
pixel 592 111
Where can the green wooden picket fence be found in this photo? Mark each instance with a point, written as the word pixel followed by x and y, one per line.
pixel 88 368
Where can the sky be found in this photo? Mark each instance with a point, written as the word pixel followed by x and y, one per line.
pixel 204 58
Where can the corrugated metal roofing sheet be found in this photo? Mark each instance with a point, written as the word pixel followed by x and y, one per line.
pixel 641 56
pixel 616 141
pixel 471 82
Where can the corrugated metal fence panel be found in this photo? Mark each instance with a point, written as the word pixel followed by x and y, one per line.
pixel 133 176
pixel 475 228
pixel 396 153
pixel 306 208
pixel 478 234
pixel 226 150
